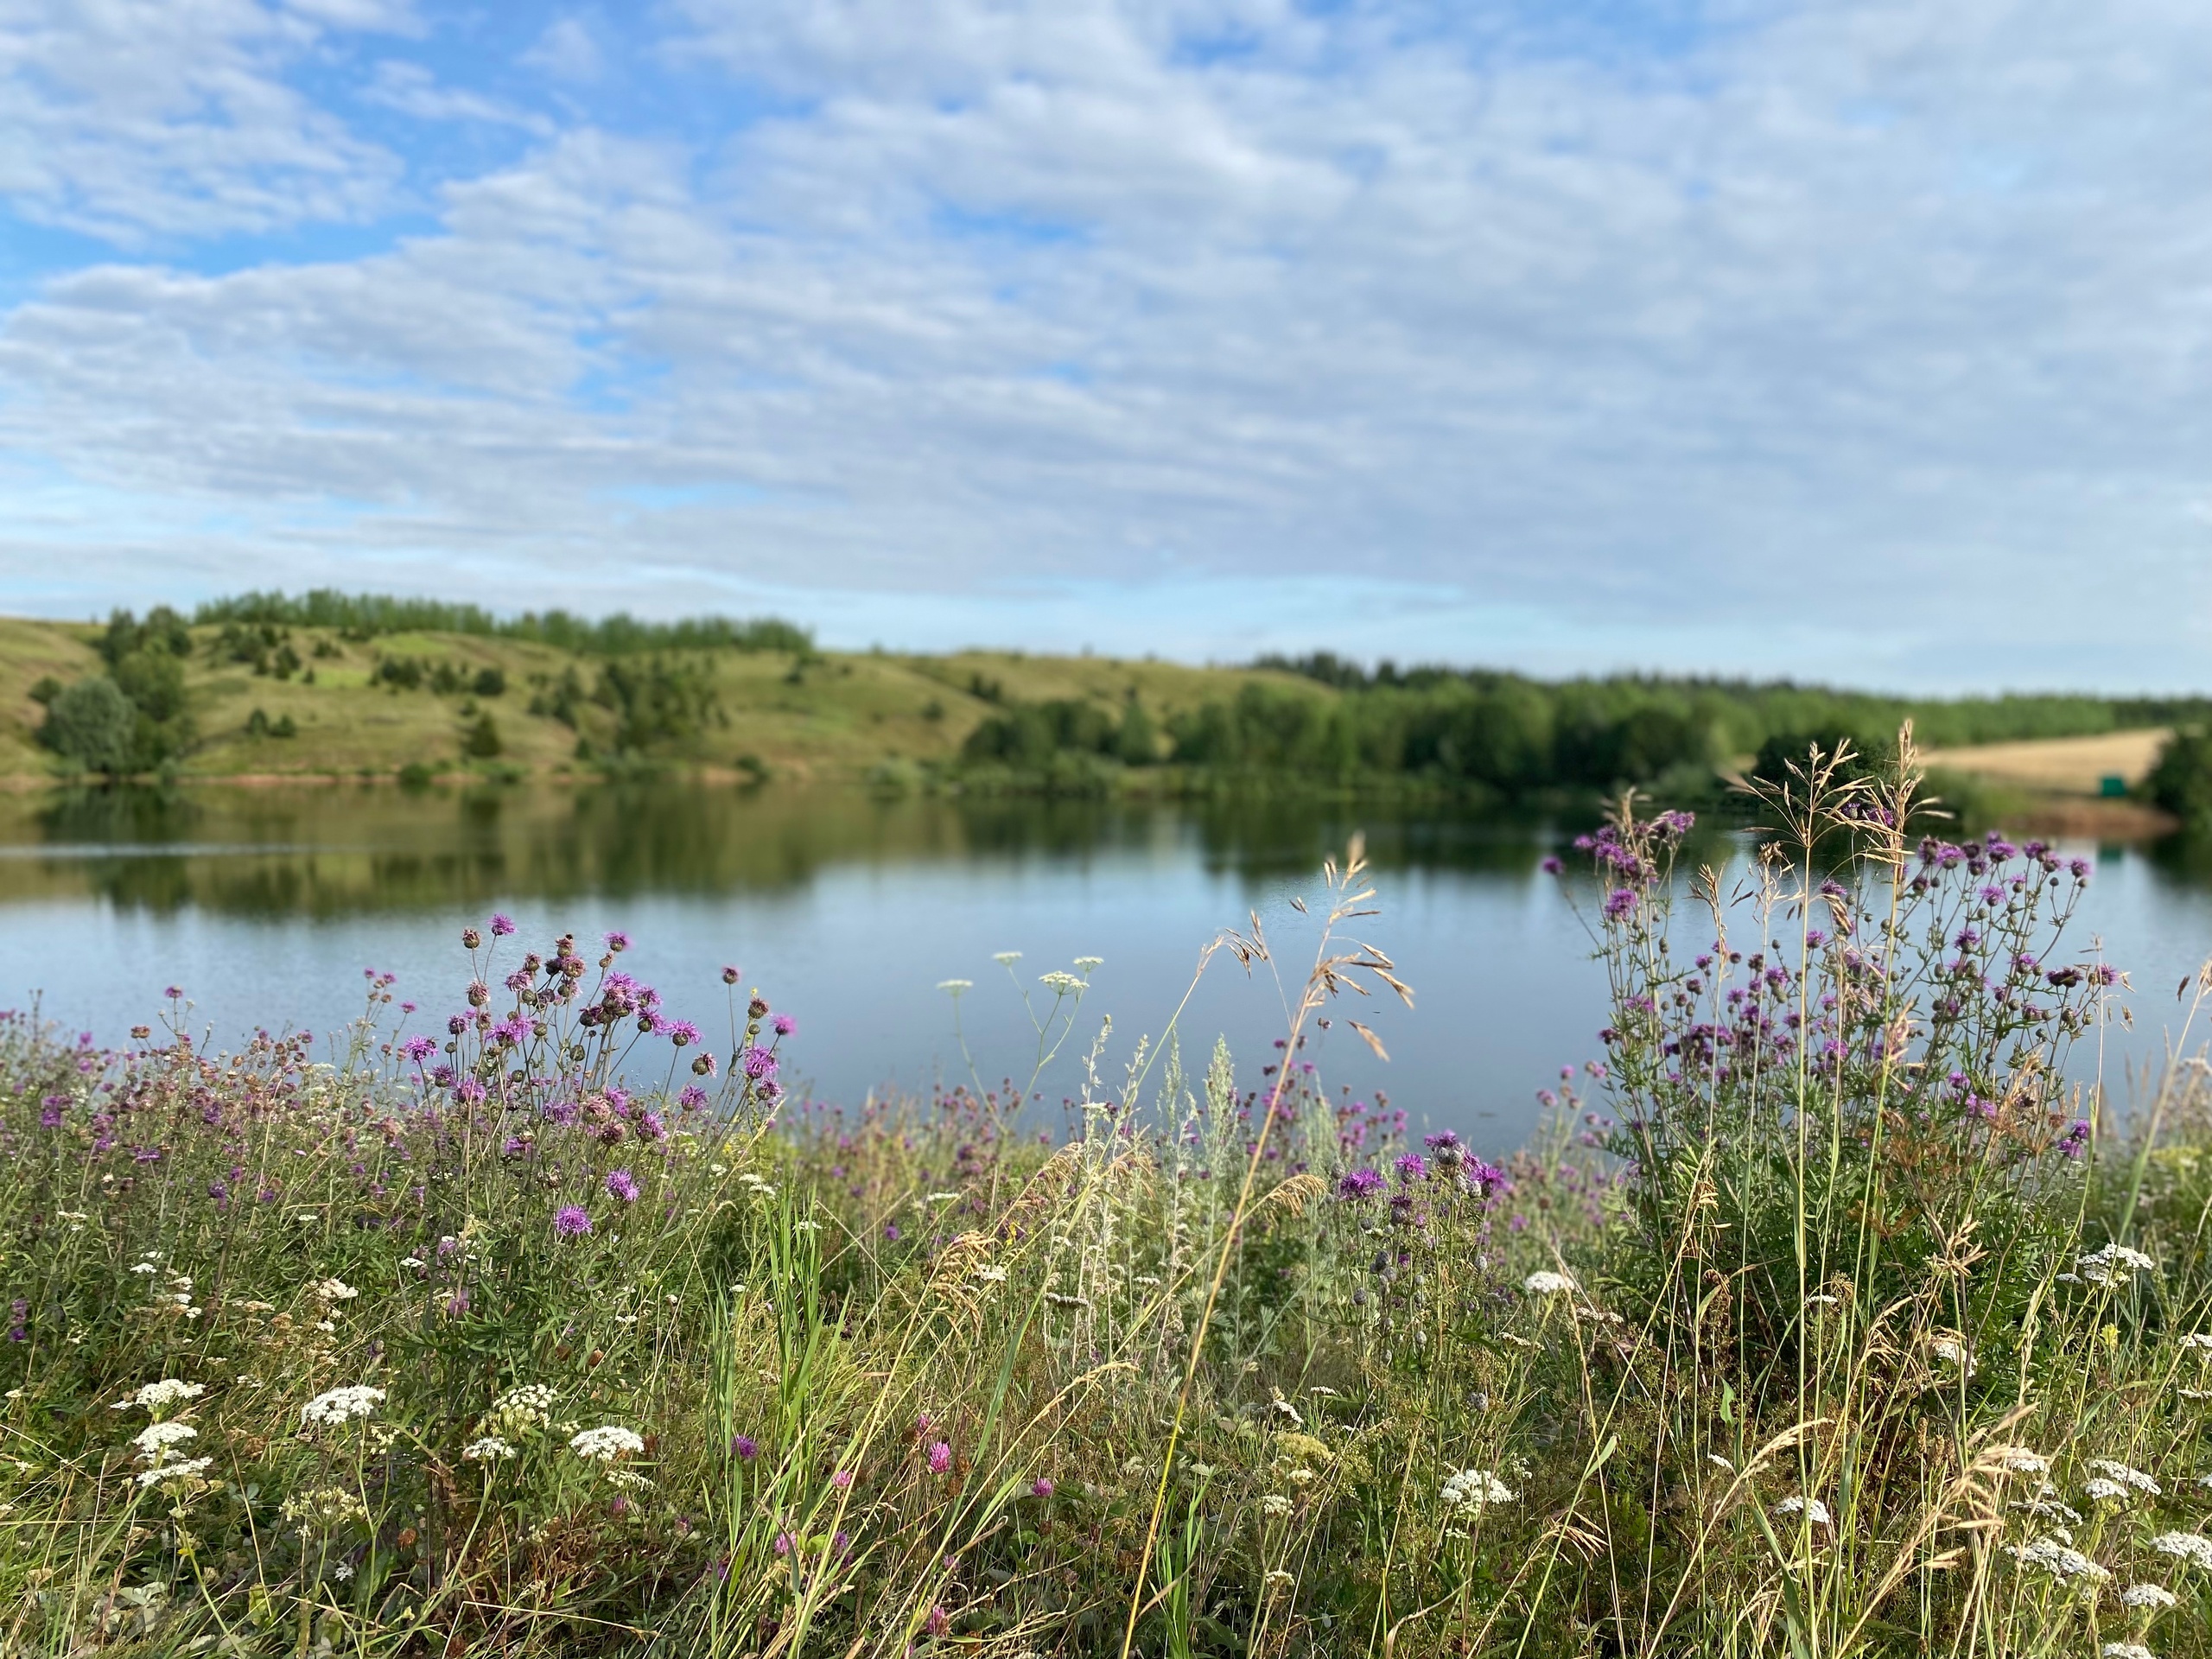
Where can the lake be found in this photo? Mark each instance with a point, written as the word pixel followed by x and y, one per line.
pixel 264 905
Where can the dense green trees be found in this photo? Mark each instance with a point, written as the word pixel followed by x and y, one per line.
pixel 364 616
pixel 132 718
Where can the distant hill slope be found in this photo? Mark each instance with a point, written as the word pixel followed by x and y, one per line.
pixel 353 711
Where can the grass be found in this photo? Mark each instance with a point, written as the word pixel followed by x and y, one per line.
pixel 1826 1318
pixel 835 716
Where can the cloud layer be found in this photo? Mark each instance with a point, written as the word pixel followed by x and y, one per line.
pixel 1866 340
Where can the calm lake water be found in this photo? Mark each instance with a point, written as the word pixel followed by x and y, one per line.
pixel 265 906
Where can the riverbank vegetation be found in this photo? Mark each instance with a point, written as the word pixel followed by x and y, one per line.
pixel 1829 1316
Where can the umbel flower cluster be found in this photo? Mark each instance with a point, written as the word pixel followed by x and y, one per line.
pixel 1807 1322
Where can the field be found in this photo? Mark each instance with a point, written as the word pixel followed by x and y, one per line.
pixel 2060 765
pixel 818 716
pixel 1824 1320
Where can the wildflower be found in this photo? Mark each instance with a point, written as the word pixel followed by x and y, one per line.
pixel 325 1509
pixel 571 1221
pixel 842 1480
pixel 606 1442
pixel 490 1449
pixel 188 1469
pixel 2021 1461
pixel 1620 902
pixel 1475 1489
pixel 683 1033
pixel 1358 1184
pixel 2115 1264
pixel 335 1290
pixel 1549 1284
pixel 1041 1487
pixel 621 1185
pixel 1274 1504
pixel 1006 958
pixel 618 941
pixel 342 1405
pixel 2105 1491
pixel 940 1457
pixel 2192 1546
pixel 501 926
pixel 526 1402
pixel 2125 1651
pixel 955 986
pixel 159 1396
pixel 745 1447
pixel 1060 982
pixel 154 1442
pixel 1811 1508
pixel 2126 1476
pixel 783 1025
pixel 939 1621
pixel 2147 1595
pixel 2199 1340
pixel 1411 1167
pixel 2060 1560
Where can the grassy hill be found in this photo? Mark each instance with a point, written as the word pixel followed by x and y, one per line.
pixel 803 714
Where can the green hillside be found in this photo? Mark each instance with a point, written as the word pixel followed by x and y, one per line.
pixel 354 706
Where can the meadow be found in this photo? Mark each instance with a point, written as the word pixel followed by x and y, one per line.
pixel 1825 1318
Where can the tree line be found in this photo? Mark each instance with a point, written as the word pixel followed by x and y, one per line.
pixel 365 616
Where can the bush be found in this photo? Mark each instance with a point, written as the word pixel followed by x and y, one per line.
pixel 483 740
pixel 93 724
pixel 2181 781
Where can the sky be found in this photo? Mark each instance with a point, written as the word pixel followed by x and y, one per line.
pixel 1865 340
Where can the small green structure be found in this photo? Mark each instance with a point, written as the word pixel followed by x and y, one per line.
pixel 2112 787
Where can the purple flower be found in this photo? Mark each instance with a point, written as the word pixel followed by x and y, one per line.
pixel 419 1049
pixel 732 974
pixel 173 992
pixel 1360 1183
pixel 891 1232
pixel 1552 866
pixel 501 926
pixel 619 1184
pixel 785 1024
pixel 1041 1487
pixel 1411 1167
pixel 1620 902
pixel 692 1098
pixel 843 1479
pixel 683 1033
pixel 759 1064
pixel 940 1457
pixel 49 1116
pixel 939 1621
pixel 468 1091
pixel 745 1447
pixel 571 1222
pixel 618 941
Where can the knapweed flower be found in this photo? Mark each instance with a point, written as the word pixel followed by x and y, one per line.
pixel 501 926
pixel 1811 1508
pixel 783 1025
pixel 683 1033
pixel 1475 1489
pixel 1549 1284
pixel 1411 1167
pixel 618 941
pixel 2147 1595
pixel 1357 1184
pixel 160 1396
pixel 745 1447
pixel 571 1221
pixel 621 1185
pixel 940 1457
pixel 2192 1546
pixel 842 1480
pixel 342 1405
pixel 490 1449
pixel 606 1442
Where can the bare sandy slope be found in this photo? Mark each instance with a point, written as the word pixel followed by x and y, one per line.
pixel 2072 766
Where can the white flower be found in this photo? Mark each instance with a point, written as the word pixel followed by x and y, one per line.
pixel 2147 1595
pixel 412 1262
pixel 955 986
pixel 2126 1476
pixel 1089 964
pixel 1006 958
pixel 154 1442
pixel 1274 1504
pixel 1720 1462
pixel 490 1449
pixel 143 1267
pixel 2192 1546
pixel 991 1276
pixel 341 1405
pixel 2060 1560
pixel 2020 1461
pixel 1060 982
pixel 342 1571
pixel 2200 1340
pixel 2105 1491
pixel 1549 1284
pixel 531 1399
pixel 1476 1489
pixel 335 1290
pixel 605 1443
pixel 190 1469
pixel 159 1396
pixel 1811 1508
pixel 1951 1352
pixel 629 1480
pixel 2115 1264
pixel 2125 1651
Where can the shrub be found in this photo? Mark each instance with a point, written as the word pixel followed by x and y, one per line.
pixel 93 723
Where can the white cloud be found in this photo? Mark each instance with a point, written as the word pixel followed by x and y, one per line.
pixel 566 51
pixel 1840 339
pixel 412 90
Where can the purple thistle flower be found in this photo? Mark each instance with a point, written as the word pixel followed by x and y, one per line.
pixel 1360 1183
pixel 1552 866
pixel 571 1221
pixel 683 1033
pixel 1411 1167
pixel 621 1185
pixel 501 926
pixel 745 1447
pixel 759 1064
pixel 692 1098
pixel 785 1024
pixel 1620 902
pixel 731 975
pixel 419 1049
pixel 618 941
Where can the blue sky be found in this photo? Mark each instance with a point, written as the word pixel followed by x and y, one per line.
pixel 1869 341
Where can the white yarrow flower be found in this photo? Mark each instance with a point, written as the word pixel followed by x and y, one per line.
pixel 1476 1489
pixel 335 1290
pixel 342 1405
pixel 1811 1508
pixel 2060 1560
pixel 2147 1595
pixel 189 1469
pixel 2125 1651
pixel 2126 1476
pixel 2192 1546
pixel 159 1396
pixel 605 1443
pixel 490 1449
pixel 2115 1264
pixel 1549 1284
pixel 2021 1461
pixel 154 1442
